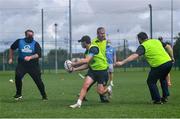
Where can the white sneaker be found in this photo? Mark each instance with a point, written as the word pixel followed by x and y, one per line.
pixel 18 97
pixel 75 105
pixel 109 91
pixel 111 83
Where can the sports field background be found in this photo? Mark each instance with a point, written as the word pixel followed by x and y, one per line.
pixel 131 97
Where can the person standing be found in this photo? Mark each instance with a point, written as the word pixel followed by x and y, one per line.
pixel 160 63
pixel 111 59
pixel 29 52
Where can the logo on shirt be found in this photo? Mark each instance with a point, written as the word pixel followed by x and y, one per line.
pixel 27 49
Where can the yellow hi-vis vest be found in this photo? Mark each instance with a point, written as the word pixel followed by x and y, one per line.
pixel 98 62
pixel 155 54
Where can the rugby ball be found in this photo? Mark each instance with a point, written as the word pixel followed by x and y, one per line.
pixel 67 65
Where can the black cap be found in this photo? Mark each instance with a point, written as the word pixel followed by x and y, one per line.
pixel 86 39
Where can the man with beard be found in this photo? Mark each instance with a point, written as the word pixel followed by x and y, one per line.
pixel 29 52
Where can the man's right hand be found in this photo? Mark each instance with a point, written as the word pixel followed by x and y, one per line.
pixel 10 61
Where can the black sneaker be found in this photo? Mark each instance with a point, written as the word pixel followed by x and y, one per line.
pixel 105 101
pixel 44 98
pixel 157 102
pixel 18 97
pixel 164 100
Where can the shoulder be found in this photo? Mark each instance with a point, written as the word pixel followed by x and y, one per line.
pixel 140 50
pixel 94 50
pixel 37 44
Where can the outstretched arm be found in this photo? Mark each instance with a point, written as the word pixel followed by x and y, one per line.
pixel 85 60
pixel 82 67
pixel 129 59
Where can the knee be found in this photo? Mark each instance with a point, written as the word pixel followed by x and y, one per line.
pixel 100 91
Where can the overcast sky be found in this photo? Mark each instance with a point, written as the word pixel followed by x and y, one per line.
pixel 129 16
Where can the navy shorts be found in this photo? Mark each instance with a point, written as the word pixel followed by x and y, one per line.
pixel 100 76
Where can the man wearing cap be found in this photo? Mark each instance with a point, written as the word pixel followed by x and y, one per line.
pixel 97 72
pixel 160 63
pixel 29 52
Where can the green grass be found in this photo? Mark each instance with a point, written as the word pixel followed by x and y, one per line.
pixel 131 97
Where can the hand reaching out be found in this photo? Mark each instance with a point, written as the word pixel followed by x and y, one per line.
pixel 119 63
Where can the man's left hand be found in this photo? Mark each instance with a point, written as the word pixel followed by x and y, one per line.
pixel 27 58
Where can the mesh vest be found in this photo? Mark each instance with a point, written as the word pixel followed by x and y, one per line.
pixel 98 62
pixel 155 54
pixel 101 45
pixel 26 49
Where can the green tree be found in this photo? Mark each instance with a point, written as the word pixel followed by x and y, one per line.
pixel 61 57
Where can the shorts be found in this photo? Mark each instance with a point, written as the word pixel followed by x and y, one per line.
pixel 100 76
pixel 111 68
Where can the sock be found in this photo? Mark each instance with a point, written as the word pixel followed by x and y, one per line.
pixel 79 101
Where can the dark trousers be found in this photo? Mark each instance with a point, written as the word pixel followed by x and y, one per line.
pixel 34 72
pixel 155 74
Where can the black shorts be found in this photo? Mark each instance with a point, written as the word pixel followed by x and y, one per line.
pixel 101 76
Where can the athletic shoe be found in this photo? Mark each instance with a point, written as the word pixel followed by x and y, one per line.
pixel 157 102
pixel 44 98
pixel 18 97
pixel 164 100
pixel 75 106
pixel 105 101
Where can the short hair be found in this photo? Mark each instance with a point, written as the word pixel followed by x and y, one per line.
pixel 160 38
pixel 99 28
pixel 142 36
pixel 29 30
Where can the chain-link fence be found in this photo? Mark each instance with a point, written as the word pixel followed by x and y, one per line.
pixel 120 24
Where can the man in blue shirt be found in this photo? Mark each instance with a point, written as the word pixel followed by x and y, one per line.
pixel 111 59
pixel 29 52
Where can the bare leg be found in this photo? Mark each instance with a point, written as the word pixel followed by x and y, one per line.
pixel 168 78
pixel 111 78
pixel 87 82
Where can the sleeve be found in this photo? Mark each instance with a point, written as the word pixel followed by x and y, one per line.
pixel 140 50
pixel 38 49
pixel 15 45
pixel 93 51
pixel 164 44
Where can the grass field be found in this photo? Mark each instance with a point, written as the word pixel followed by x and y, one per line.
pixel 131 98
